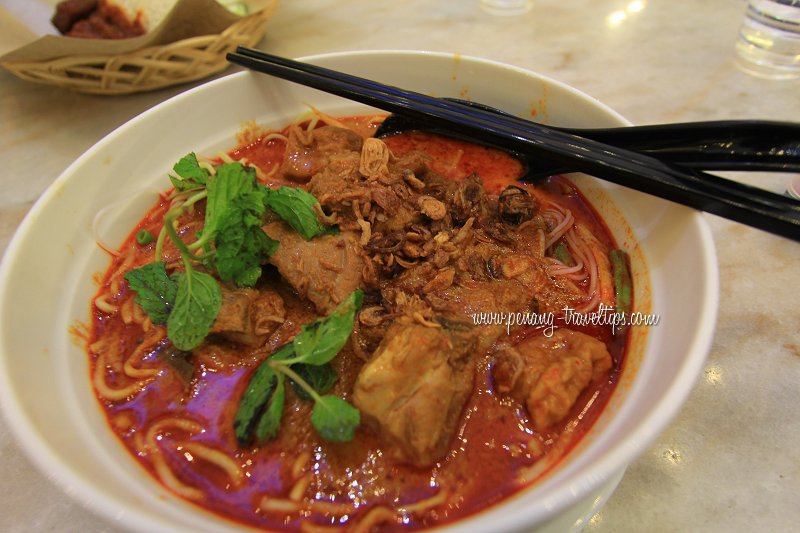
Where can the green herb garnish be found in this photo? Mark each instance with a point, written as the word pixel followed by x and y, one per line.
pixel 321 378
pixel 231 244
pixel 190 175
pixel 297 208
pixel 144 237
pixel 305 361
pixel 335 419
pixel 259 395
pixel 197 303
pixel 234 212
pixel 155 290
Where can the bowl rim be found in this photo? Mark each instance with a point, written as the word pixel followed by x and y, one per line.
pixel 612 462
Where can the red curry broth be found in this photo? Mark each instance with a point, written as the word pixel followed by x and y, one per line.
pixel 494 441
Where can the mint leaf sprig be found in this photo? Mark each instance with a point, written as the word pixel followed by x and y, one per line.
pixel 297 208
pixel 155 290
pixel 187 302
pixel 306 363
pixel 234 210
pixel 231 243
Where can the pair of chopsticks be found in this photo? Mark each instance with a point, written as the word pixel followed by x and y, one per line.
pixel 726 198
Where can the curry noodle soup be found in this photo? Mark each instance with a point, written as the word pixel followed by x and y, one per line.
pixel 320 328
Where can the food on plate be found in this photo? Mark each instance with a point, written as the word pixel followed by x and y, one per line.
pixel 97 19
pixel 120 19
pixel 320 329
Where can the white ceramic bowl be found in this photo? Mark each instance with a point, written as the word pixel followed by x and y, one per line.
pixel 46 285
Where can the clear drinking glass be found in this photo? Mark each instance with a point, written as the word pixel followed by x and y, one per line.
pixel 769 39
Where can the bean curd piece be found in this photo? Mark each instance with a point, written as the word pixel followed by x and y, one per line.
pixel 548 374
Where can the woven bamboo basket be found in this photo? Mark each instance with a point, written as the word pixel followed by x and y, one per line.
pixel 149 68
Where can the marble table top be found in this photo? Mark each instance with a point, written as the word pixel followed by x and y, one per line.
pixel 730 461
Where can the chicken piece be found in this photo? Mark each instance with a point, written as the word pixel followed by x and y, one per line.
pixel 547 374
pixel 325 269
pixel 248 316
pixel 337 179
pixel 309 152
pixel 400 213
pixel 414 389
pixel 463 301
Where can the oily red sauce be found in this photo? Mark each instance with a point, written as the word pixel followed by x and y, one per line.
pixel 493 444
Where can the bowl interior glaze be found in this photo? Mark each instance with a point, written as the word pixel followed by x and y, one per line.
pixel 46 285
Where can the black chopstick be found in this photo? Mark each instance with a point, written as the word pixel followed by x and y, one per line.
pixel 763 136
pixel 748 193
pixel 760 145
pixel 743 145
pixel 729 199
